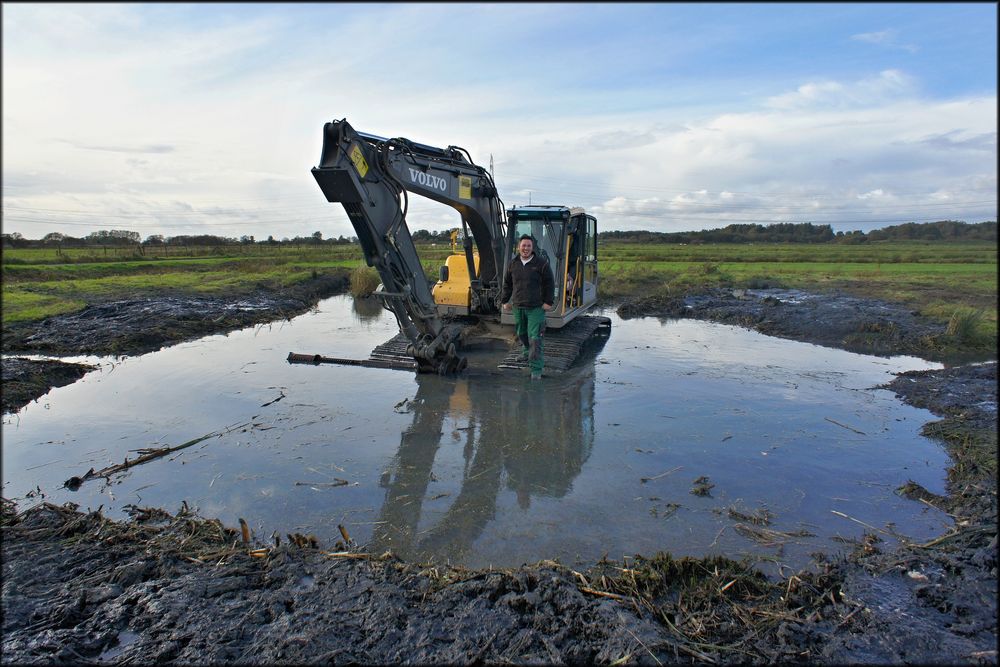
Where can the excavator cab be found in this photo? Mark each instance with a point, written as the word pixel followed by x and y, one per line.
pixel 567 239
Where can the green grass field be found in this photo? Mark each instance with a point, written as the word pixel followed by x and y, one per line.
pixel 939 279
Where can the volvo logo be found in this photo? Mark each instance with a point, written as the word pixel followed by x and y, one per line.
pixel 428 180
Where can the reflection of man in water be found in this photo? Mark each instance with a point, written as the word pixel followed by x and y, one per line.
pixel 528 289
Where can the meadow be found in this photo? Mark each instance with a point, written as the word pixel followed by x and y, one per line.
pixel 943 280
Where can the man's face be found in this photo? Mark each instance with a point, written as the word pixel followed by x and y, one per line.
pixel 526 247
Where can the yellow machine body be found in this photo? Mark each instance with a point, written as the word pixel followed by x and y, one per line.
pixel 452 295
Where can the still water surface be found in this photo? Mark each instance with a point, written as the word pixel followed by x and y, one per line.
pixel 491 468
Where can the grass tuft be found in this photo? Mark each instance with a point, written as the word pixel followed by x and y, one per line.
pixel 364 281
pixel 963 323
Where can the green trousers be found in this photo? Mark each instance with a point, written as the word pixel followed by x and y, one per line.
pixel 529 325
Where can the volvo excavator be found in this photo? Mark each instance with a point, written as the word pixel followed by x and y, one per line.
pixel 372 178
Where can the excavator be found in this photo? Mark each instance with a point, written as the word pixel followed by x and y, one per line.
pixel 372 177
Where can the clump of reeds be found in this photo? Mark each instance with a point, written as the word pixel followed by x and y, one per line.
pixel 769 537
pixel 761 517
pixel 963 323
pixel 702 487
pixel 364 281
pixel 714 609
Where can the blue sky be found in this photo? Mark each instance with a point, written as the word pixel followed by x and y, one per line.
pixel 206 118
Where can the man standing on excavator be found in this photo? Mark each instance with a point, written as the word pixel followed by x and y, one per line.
pixel 528 288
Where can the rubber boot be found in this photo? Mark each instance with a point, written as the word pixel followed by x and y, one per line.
pixel 525 346
pixel 534 354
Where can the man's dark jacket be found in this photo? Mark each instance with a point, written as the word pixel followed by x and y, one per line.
pixel 531 283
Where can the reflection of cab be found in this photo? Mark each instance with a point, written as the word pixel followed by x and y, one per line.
pixel 567 238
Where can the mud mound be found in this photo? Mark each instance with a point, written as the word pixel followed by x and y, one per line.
pixel 833 320
pixel 969 391
pixel 80 587
pixel 141 325
pixel 184 590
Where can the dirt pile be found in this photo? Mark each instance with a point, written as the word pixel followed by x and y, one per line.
pixel 833 320
pixel 182 589
pixel 141 325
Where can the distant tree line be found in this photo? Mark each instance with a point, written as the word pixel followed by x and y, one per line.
pixel 124 238
pixel 944 230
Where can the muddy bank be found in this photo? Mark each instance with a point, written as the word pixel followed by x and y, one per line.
pixel 138 326
pixel 183 590
pixel 141 325
pixel 24 380
pixel 937 601
pixel 843 321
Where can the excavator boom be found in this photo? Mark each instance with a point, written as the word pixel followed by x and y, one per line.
pixel 371 176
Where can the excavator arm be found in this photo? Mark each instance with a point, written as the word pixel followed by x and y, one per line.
pixel 371 176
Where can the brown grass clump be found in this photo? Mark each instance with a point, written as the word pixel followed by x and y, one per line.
pixel 364 281
pixel 715 608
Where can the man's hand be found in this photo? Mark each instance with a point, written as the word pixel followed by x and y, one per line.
pixel 546 307
pixel 506 306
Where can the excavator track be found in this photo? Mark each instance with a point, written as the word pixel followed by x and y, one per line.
pixel 562 346
pixel 393 352
pixel 561 349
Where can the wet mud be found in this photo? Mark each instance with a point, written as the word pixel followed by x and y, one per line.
pixel 865 326
pixel 78 587
pixel 936 602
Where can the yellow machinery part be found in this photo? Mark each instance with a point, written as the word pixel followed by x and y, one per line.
pixel 455 291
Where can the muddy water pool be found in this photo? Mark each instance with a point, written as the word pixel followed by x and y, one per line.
pixel 491 468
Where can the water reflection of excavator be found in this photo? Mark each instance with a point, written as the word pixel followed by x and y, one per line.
pixel 371 176
pixel 532 442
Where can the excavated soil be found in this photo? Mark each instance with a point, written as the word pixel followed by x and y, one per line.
pixel 178 588
pixel 852 323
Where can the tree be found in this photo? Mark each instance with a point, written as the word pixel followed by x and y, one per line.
pixel 13 240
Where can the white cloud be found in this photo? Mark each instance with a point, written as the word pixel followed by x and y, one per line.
pixel 887 86
pixel 216 126
pixel 888 38
pixel 872 194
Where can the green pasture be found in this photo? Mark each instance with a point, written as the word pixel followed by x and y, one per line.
pixel 895 252
pixel 936 278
